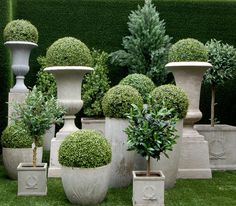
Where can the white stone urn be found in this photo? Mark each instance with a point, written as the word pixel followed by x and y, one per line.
pixel 86 186
pixel 69 81
pixel 122 163
pixel 20 62
pixel 194 157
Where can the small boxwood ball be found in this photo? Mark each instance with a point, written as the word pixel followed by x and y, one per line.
pixel 13 137
pixel 85 149
pixel 20 30
pixel 188 50
pixel 117 101
pixel 68 51
pixel 141 82
pixel 172 97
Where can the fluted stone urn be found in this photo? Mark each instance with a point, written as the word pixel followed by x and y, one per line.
pixel 68 80
pixel 194 157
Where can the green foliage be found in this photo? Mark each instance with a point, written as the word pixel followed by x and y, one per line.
pixel 45 82
pixel 85 149
pixel 172 97
pixel 20 30
pixel 223 59
pixel 146 49
pixel 151 130
pixel 95 85
pixel 142 83
pixel 68 51
pixel 16 136
pixel 188 50
pixel 117 101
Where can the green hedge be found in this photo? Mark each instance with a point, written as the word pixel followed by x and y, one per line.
pixel 102 24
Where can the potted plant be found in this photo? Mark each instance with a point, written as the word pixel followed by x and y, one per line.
pixel 36 115
pixel 85 156
pixel 95 85
pixel 221 137
pixel 151 132
pixel 188 62
pixel 17 148
pixel 172 97
pixel 116 103
pixel 68 59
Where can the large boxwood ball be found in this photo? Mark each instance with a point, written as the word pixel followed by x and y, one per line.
pixel 68 51
pixel 117 101
pixel 188 50
pixel 141 82
pixel 15 136
pixel 20 30
pixel 85 149
pixel 172 97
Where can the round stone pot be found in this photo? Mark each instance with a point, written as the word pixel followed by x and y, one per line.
pixel 85 186
pixel 12 157
pixel 122 163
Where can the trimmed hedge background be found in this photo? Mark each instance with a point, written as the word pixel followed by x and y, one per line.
pixel 102 24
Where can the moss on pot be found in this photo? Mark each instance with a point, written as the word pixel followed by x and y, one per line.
pixel 68 51
pixel 188 50
pixel 172 97
pixel 117 101
pixel 141 82
pixel 20 30
pixel 85 149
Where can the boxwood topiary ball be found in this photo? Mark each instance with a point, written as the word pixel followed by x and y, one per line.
pixel 117 101
pixel 68 51
pixel 188 50
pixel 15 136
pixel 141 82
pixel 85 149
pixel 20 30
pixel 172 97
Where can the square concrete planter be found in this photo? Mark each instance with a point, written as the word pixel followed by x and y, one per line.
pixel 94 123
pixel 32 180
pixel 148 190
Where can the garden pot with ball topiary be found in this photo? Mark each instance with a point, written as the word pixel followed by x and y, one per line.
pixel 116 103
pixel 85 156
pixel 188 62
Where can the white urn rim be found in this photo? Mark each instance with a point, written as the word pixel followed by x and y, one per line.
pixel 9 43
pixel 69 68
pixel 188 64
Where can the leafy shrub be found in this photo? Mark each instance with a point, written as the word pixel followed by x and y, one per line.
pixel 151 130
pixel 172 97
pixel 95 85
pixel 15 136
pixel 20 30
pixel 85 149
pixel 45 82
pixel 142 83
pixel 146 48
pixel 68 51
pixel 188 50
pixel 117 101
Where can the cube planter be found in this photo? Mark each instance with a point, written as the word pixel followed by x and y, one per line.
pixel 148 190
pixel 32 180
pixel 97 124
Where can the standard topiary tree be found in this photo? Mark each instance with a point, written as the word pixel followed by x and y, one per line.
pixel 68 51
pixel 188 50
pixel 20 30
pixel 223 59
pixel 95 85
pixel 117 101
pixel 142 83
pixel 146 48
pixel 172 97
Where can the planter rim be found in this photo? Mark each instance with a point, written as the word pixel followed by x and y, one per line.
pixel 188 64
pixel 90 168
pixel 141 178
pixel 20 43
pixel 92 119
pixel 218 127
pixel 116 118
pixel 29 166
pixel 68 68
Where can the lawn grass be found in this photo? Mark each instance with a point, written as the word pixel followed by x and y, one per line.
pixel 220 191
